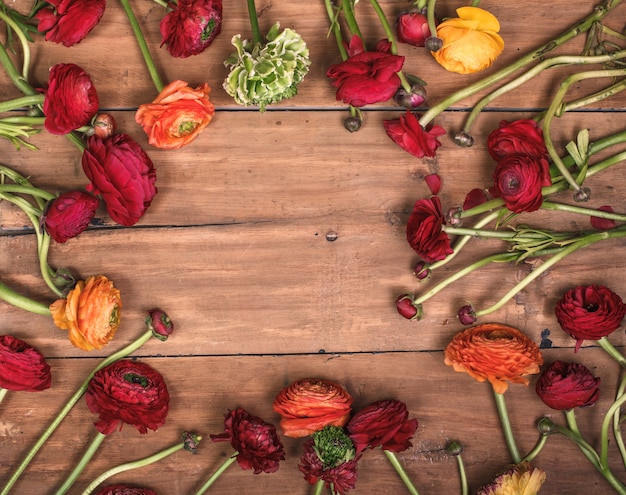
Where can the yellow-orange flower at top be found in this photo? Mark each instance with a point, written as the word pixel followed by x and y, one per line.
pixel 494 352
pixel 308 405
pixel 522 479
pixel 177 116
pixel 90 313
pixel 470 42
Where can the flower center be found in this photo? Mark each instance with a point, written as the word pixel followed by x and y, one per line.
pixel 592 307
pixel 136 379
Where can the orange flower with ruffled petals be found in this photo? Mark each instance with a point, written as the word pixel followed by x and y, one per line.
pixel 177 116
pixel 308 405
pixel 494 352
pixel 90 313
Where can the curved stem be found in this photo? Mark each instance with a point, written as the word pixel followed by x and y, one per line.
pixel 549 205
pixel 617 423
pixel 254 22
pixel 536 449
pixel 44 268
pixel 19 301
pixel 462 475
pixel 612 351
pixel 23 41
pixel 217 473
pixel 506 427
pixel 393 458
pixel 13 73
pixel 91 450
pixel 574 434
pixel 430 19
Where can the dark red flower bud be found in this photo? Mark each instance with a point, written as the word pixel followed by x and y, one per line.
pixel 159 323
pixel 69 214
pixel 466 315
pixel 412 99
pixel 412 28
pixel 565 386
pixel 421 270
pixel 104 125
pixel 406 307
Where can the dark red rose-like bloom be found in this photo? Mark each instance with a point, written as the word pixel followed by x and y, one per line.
pixel 412 28
pixel 518 180
pixel 128 392
pixel 384 423
pixel 123 174
pixel 564 386
pixel 409 134
pixel 366 77
pixel 423 230
pixel 69 21
pixel 256 441
pixel 520 137
pixel 191 27
pixel 22 367
pixel 342 478
pixel 590 312
pixel 124 490
pixel 69 214
pixel 71 99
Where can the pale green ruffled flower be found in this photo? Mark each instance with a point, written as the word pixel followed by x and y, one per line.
pixel 265 73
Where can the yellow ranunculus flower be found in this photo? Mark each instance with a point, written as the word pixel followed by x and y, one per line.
pixel 470 42
pixel 522 479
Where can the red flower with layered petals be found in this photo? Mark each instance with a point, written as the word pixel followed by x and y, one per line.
pixel 22 367
pixel 520 137
pixel 424 233
pixel 69 21
pixel 409 134
pixel 69 214
pixel 518 180
pixel 191 27
pixel 565 386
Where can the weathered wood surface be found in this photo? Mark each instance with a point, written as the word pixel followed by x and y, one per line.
pixel 235 249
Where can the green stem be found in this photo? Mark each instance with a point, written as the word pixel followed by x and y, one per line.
pixel 430 19
pixel 122 353
pixel 549 205
pixel 19 82
pixel 3 393
pixel 506 427
pixel 536 449
pixel 319 487
pixel 617 423
pixel 393 458
pixel 31 190
pixel 21 102
pixel 348 12
pixel 593 98
pixel 44 268
pixel 143 46
pixel 573 433
pixel 91 450
pixel 254 22
pixel 462 475
pixel 217 473
pixel 612 351
pixel 23 41
pixel 18 300
pixel 336 28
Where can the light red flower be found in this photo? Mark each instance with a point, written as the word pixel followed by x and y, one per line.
pixel 408 133
pixel 424 230
pixel 494 352
pixel 69 214
pixel 518 180
pixel 22 367
pixel 69 21
pixel 412 28
pixel 191 27
pixel 520 137
pixel 565 386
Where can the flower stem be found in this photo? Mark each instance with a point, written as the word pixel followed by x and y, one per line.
pixel 393 458
pixel 548 205
pixel 91 450
pixel 617 423
pixel 19 82
pixel 18 300
pixel 3 393
pixel 336 28
pixel 536 449
pixel 462 474
pixel 604 439
pixel 143 46
pixel 506 427
pixel 217 473
pixel 430 19
pixel 254 22
pixel 21 102
pixel 23 41
pixel 319 487
pixel 348 12
pixel 122 353
pixel 612 351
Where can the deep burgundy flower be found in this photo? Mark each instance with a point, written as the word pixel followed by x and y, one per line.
pixel 590 312
pixel 256 441
pixel 124 490
pixel 128 392
pixel 564 386
pixel 342 478
pixel 424 233
pixel 69 214
pixel 409 134
pixel 603 223
pixel 191 27
pixel 518 180
pixel 22 367
pixel 421 270
pixel 366 76
pixel 69 21
pixel 520 137
pixel 71 99
pixel 123 174
pixel 412 28
pixel 385 424
pixel 474 198
pixel 160 324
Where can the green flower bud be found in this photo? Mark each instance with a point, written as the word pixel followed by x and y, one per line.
pixel 333 446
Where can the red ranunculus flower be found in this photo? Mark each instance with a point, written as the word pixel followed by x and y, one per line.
pixel 69 214
pixel 22 367
pixel 69 21
pixel 341 478
pixel 123 174
pixel 71 99
pixel 423 230
pixel 366 77
pixel 256 441
pixel 124 490
pixel 128 392
pixel 412 28
pixel 384 423
pixel 191 27
pixel 590 312
pixel 518 180
pixel 520 137
pixel 409 134
pixel 564 386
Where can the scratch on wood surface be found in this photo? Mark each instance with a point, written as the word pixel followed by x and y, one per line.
pixel 8 429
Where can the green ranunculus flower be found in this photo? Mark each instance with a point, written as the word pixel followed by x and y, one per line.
pixel 261 74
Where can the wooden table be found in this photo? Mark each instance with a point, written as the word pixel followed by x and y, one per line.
pixel 277 245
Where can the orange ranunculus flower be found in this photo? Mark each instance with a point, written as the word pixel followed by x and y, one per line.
pixel 177 116
pixel 90 313
pixel 470 42
pixel 494 352
pixel 308 405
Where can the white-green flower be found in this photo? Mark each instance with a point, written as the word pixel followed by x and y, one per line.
pixel 261 74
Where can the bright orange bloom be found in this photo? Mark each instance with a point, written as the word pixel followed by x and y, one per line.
pixel 494 352
pixel 177 116
pixel 90 313
pixel 308 405
pixel 470 42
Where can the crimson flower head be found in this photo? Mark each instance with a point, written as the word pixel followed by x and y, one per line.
pixel 407 308
pixel 22 367
pixel 409 134
pixel 424 230
pixel 124 490
pixel 71 99
pixel 520 137
pixel 256 441
pixel 366 77
pixel 128 392
pixel 412 28
pixel 564 386
pixel 69 214
pixel 191 27
pixel 590 312
pixel 123 174
pixel 385 424
pixel 69 21
pixel 160 324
